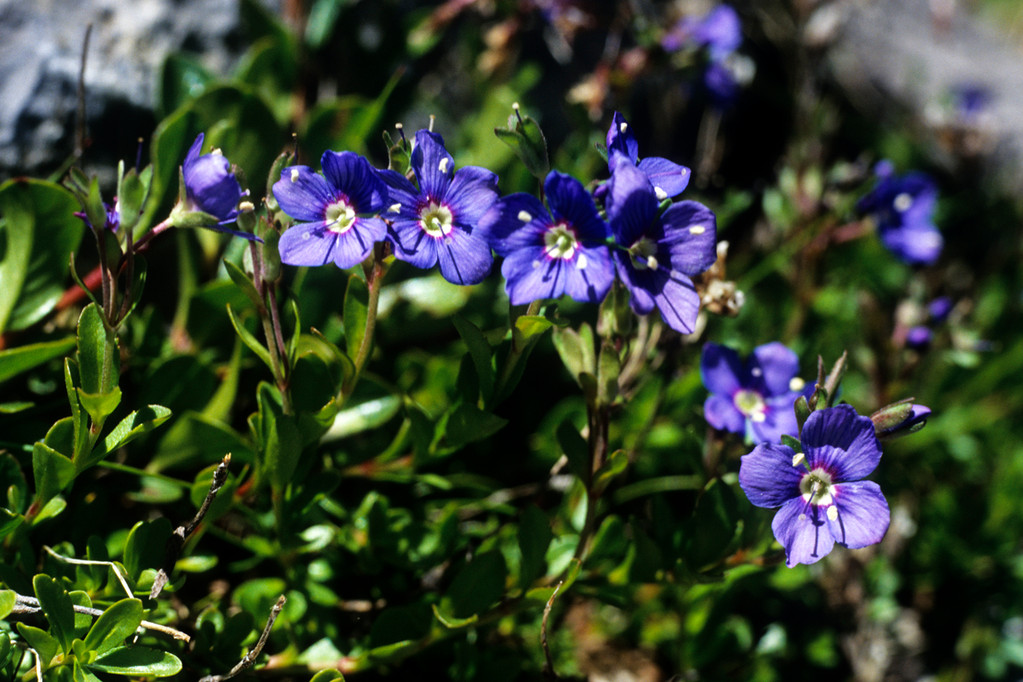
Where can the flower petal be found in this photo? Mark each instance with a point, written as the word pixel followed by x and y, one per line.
pixel 514 222
pixel 721 413
pixel 631 205
pixel 721 369
pixel 570 202
pixel 779 419
pixel 620 140
pixel 774 365
pixel 803 531
pixel 433 166
pixel 690 237
pixel 412 244
pixel 679 303
pixel 306 197
pixel 472 191
pixel 355 245
pixel 842 442
pixel 309 244
pixel 767 476
pixel 531 275
pixel 464 258
pixel 863 514
pixel 351 175
pixel 590 274
pixel 668 176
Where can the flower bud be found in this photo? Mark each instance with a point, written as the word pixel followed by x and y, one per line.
pixel 899 419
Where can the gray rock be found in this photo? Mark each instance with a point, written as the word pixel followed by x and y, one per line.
pixel 40 57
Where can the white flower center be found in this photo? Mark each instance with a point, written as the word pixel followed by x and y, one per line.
pixel 644 254
pixel 436 220
pixel 751 404
pixel 560 242
pixel 815 487
pixel 340 216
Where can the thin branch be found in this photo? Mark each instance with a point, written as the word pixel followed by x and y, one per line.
pixel 80 122
pixel 23 604
pixel 548 666
pixel 254 652
pixel 91 562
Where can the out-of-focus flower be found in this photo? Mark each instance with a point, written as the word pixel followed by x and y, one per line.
pixel 436 223
pixel 719 34
pixel 668 178
pixel 547 254
pixel 902 207
pixel 210 184
pixel 754 397
pixel 822 499
pixel 657 254
pixel 899 419
pixel 336 211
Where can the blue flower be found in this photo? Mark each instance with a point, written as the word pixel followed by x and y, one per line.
pixel 210 185
pixel 436 223
pixel 754 397
pixel 668 178
pixel 336 211
pixel 658 253
pixel 822 499
pixel 903 207
pixel 547 254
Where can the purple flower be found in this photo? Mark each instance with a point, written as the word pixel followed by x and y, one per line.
pixel 436 223
pixel 903 207
pixel 919 337
pixel 899 419
pixel 112 222
pixel 668 178
pixel 754 397
pixel 547 254
pixel 658 253
pixel 939 308
pixel 211 186
pixel 336 211
pixel 822 499
pixel 719 31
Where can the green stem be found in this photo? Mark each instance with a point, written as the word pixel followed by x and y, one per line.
pixel 374 280
pixel 124 468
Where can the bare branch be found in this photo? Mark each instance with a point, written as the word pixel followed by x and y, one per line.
pixel 254 652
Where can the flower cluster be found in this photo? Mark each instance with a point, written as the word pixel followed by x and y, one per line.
pixel 903 207
pixel 821 497
pixel 455 219
pixel 754 397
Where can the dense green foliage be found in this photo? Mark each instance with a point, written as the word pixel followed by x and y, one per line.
pixel 439 484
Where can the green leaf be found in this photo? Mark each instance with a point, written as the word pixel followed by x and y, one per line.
pixel 14 361
pixel 40 231
pixel 528 326
pixel 577 351
pixel 51 470
pixel 137 660
pixel 575 448
pixel 117 623
pixel 146 546
pixel 181 77
pixel 479 584
pixel 99 365
pixel 608 370
pixel 40 640
pixel 7 600
pixel 524 136
pixel 792 442
pixel 612 468
pixel 249 340
pixel 534 536
pixel 467 423
pixel 481 354
pixel 58 609
pixel 80 673
pixel 279 437
pixel 243 282
pixel 328 676
pixel 131 427
pixel 355 313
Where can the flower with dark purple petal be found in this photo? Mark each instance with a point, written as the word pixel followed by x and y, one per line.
pixel 903 207
pixel 822 499
pixel 547 254
pixel 210 184
pixel 436 223
pixel 336 211
pixel 668 178
pixel 657 254
pixel 754 397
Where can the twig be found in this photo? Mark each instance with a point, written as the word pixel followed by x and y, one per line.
pixel 92 562
pixel 250 657
pixel 548 666
pixel 177 539
pixel 80 123
pixel 23 604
